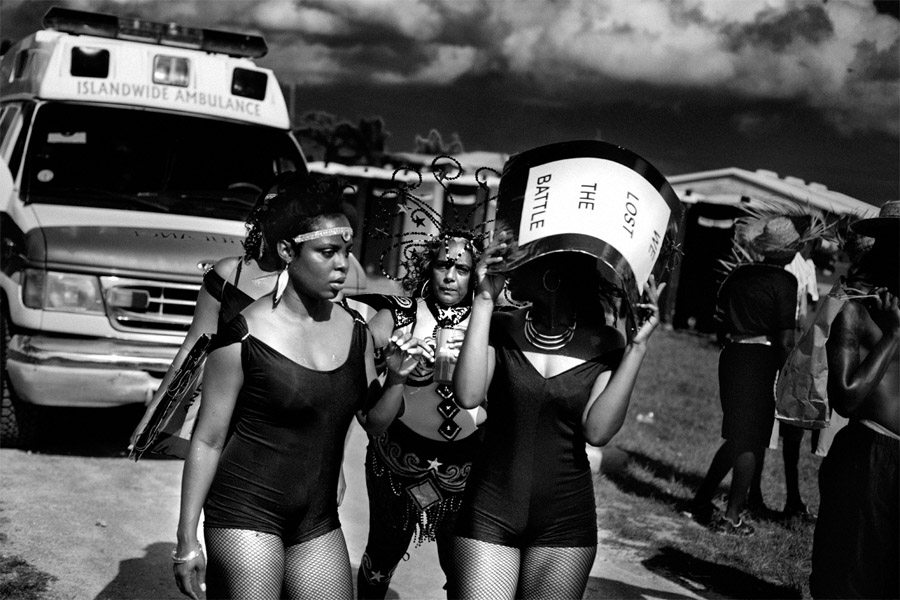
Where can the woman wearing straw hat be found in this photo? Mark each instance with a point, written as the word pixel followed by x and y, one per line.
pixel 758 306
pixel 856 547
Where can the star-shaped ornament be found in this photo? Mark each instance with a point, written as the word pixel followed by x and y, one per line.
pixel 434 464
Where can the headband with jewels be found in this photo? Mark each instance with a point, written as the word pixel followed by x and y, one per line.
pixel 346 234
pixel 411 223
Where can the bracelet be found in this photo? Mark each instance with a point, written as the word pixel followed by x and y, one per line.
pixel 189 556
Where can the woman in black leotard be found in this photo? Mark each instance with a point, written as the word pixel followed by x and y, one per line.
pixel 282 385
pixel 556 376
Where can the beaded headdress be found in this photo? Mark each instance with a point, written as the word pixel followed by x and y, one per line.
pixel 431 228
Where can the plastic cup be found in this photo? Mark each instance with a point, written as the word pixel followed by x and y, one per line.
pixel 445 356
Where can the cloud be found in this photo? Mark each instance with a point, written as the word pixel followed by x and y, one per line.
pixel 839 56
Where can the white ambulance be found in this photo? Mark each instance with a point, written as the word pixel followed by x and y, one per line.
pixel 131 152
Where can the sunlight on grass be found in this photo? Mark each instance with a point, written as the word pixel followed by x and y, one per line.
pixel 667 457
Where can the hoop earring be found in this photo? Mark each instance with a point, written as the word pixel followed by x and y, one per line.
pixel 425 291
pixel 280 285
pixel 551 289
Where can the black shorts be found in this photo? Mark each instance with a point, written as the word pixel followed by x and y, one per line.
pixel 747 392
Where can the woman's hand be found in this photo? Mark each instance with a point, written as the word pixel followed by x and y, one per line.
pixel 489 281
pixel 403 353
pixel 188 571
pixel 652 305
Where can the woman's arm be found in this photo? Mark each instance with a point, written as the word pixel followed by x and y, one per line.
pixel 222 380
pixel 381 325
pixel 784 342
pixel 402 355
pixel 605 411
pixel 475 364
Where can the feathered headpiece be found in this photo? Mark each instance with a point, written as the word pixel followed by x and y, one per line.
pixel 774 228
pixel 432 228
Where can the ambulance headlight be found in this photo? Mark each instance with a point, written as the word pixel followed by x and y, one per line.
pixel 65 292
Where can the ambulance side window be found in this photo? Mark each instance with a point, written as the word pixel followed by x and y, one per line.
pixel 7 118
pixel 15 154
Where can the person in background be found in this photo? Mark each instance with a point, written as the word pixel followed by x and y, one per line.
pixel 758 303
pixel 804 270
pixel 416 470
pixel 556 376
pixel 282 384
pixel 856 545
pixel 791 435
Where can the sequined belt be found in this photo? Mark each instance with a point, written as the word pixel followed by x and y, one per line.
pixel 410 455
pixel 430 474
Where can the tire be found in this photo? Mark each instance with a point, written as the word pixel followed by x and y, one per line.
pixel 18 420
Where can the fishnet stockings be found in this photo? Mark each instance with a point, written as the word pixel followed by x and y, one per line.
pixel 485 570
pixel 319 568
pixel 555 572
pixel 245 564
pixel 488 571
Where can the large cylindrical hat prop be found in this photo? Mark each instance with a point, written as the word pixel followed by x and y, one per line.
pixel 593 198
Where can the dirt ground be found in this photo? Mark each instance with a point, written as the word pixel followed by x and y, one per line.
pixel 78 510
pixel 104 526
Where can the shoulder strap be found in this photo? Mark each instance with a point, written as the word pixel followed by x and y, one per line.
pixel 353 312
pixel 237 271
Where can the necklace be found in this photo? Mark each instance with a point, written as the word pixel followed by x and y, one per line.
pixel 547 342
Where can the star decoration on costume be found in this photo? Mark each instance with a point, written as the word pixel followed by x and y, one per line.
pixel 377 576
pixel 433 464
pixel 419 220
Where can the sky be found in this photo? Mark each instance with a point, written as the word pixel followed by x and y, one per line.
pixel 805 88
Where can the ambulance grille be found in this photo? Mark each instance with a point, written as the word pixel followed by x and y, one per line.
pixel 145 306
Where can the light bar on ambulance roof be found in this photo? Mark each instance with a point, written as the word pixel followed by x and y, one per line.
pixel 81 22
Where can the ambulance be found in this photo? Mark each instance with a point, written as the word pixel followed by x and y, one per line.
pixel 132 152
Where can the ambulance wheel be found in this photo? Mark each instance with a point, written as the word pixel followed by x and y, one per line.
pixel 18 420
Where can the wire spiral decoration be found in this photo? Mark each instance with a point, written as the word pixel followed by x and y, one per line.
pixel 405 197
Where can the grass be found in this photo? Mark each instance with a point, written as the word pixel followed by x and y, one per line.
pixel 21 581
pixel 666 458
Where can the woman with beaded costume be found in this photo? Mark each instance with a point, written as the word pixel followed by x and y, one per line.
pixel 283 381
pixel 557 376
pixel 416 470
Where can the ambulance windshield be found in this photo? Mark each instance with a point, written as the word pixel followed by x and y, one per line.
pixel 128 159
